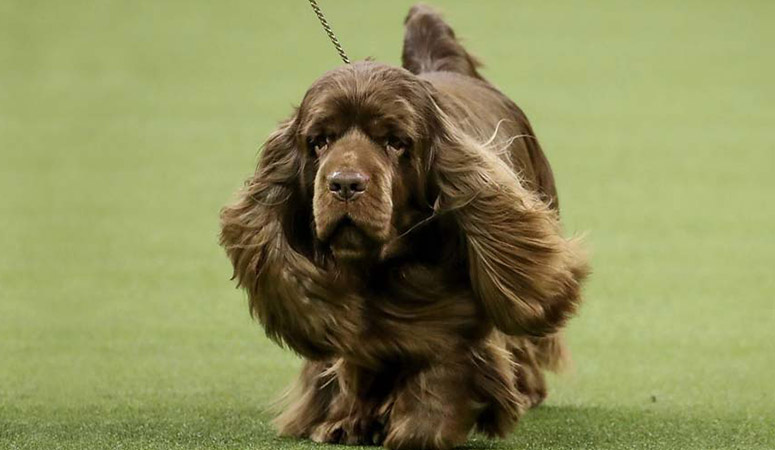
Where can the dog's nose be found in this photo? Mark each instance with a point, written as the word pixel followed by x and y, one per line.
pixel 347 185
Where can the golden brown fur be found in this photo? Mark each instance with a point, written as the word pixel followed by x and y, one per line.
pixel 402 235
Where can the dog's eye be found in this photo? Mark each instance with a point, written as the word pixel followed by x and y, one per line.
pixel 319 143
pixel 397 144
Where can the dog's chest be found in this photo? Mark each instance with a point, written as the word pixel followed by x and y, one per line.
pixel 422 313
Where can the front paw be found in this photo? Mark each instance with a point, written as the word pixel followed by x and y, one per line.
pixel 328 433
pixel 349 432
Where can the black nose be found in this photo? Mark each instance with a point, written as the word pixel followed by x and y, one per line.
pixel 347 185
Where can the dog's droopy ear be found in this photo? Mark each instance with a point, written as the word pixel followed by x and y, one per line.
pixel 526 275
pixel 295 300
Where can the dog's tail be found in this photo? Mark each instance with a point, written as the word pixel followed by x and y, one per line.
pixel 430 45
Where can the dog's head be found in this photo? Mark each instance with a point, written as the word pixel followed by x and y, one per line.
pixel 362 139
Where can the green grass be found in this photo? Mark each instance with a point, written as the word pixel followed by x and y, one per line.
pixel 124 126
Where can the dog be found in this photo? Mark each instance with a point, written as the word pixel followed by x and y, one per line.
pixel 401 234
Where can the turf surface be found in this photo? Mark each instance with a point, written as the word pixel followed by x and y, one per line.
pixel 124 126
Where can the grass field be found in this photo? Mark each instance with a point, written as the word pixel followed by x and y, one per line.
pixel 124 126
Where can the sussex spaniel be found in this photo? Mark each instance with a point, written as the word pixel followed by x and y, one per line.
pixel 401 233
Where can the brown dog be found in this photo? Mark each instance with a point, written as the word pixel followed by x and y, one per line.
pixel 401 233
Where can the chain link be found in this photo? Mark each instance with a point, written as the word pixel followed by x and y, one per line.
pixel 328 30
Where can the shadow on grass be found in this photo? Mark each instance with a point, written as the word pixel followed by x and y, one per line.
pixel 549 427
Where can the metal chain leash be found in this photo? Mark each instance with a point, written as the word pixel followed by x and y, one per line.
pixel 328 31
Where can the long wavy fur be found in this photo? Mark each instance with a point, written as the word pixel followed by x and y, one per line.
pixel 297 302
pixel 527 275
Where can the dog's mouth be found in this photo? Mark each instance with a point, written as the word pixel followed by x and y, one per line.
pixel 348 242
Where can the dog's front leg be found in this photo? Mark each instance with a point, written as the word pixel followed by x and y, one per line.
pixel 310 399
pixel 351 417
pixel 432 410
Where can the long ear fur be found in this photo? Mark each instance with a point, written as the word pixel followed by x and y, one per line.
pixel 297 302
pixel 527 276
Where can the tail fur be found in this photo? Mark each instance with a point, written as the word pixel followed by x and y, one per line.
pixel 430 45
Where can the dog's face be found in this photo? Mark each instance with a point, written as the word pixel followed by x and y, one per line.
pixel 364 131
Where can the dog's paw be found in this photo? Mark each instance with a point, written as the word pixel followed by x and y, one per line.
pixel 328 433
pixel 348 431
